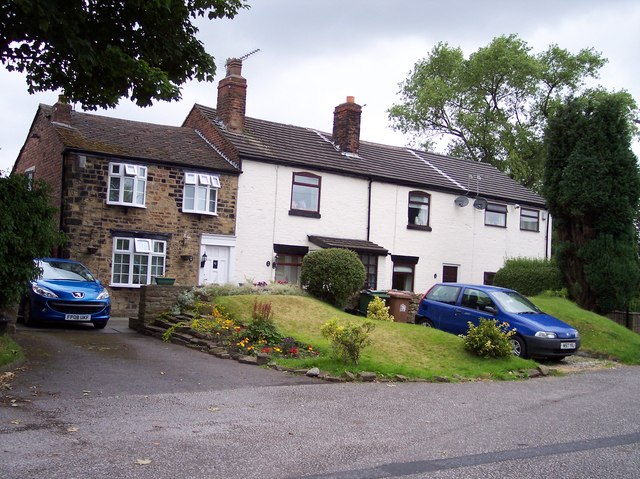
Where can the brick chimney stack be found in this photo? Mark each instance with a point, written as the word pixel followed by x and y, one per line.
pixel 346 125
pixel 62 111
pixel 232 97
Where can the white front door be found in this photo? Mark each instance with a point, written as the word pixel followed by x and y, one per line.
pixel 216 267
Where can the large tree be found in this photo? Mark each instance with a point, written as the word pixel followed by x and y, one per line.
pixel 592 187
pixel 493 106
pixel 29 230
pixel 97 52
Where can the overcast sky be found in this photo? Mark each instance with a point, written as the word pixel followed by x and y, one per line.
pixel 313 54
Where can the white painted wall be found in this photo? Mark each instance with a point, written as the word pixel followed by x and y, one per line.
pixel 459 235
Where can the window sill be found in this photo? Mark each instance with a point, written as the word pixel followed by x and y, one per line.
pixel 530 231
pixel 127 205
pixel 205 213
pixel 306 214
pixel 121 285
pixel 496 226
pixel 419 227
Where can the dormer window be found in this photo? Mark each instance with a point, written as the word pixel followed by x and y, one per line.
pixel 127 184
pixel 200 193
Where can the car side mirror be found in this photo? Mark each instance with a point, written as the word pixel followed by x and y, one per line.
pixel 490 309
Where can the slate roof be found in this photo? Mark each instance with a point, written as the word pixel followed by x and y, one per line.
pixel 308 148
pixel 359 246
pixel 180 146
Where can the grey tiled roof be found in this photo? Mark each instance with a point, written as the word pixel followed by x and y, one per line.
pixel 138 140
pixel 307 148
pixel 359 246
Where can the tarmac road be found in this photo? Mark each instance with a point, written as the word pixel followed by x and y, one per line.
pixel 115 404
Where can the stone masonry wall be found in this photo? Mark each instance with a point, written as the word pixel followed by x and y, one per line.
pixel 91 223
pixel 153 301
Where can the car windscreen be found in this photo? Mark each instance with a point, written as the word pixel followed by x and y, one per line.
pixel 513 302
pixel 64 270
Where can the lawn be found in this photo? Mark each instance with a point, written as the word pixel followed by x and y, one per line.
pixel 600 335
pixel 10 351
pixel 397 348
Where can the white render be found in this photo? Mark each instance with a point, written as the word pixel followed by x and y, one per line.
pixel 459 236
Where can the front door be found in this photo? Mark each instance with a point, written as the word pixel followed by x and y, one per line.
pixel 216 267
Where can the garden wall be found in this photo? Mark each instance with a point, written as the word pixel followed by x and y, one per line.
pixel 154 300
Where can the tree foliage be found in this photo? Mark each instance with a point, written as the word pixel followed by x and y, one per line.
pixel 592 187
pixel 493 106
pixel 98 52
pixel 28 231
pixel 332 275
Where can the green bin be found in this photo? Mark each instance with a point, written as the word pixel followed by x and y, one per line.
pixel 367 296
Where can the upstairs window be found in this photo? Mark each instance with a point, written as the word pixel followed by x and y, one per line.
pixel 200 193
pixel 127 184
pixel 305 195
pixel 137 261
pixel 419 210
pixel 495 215
pixel 529 220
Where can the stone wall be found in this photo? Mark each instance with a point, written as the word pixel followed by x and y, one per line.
pixel 91 224
pixel 153 301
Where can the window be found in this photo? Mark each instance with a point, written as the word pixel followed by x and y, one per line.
pixel 476 299
pixel 529 220
pixel 370 262
pixel 29 173
pixel 200 193
pixel 449 274
pixel 488 277
pixel 305 195
pixel 127 184
pixel 288 268
pixel 137 261
pixel 419 210
pixel 444 293
pixel 495 215
pixel 403 272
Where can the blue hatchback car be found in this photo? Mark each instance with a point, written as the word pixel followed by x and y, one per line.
pixel 451 306
pixel 65 291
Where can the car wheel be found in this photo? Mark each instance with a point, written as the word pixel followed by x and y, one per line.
pixel 27 316
pixel 518 347
pixel 427 323
pixel 99 324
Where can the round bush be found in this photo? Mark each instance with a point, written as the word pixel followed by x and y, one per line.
pixel 529 276
pixel 332 275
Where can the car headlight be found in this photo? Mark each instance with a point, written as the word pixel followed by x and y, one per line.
pixel 43 291
pixel 577 334
pixel 546 335
pixel 104 294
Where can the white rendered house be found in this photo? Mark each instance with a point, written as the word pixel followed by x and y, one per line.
pixel 415 218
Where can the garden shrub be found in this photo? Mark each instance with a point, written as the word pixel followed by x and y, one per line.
pixel 262 328
pixel 332 275
pixel 489 339
pixel 529 276
pixel 348 339
pixel 377 310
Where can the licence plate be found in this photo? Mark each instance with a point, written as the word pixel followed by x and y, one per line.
pixel 77 317
pixel 567 345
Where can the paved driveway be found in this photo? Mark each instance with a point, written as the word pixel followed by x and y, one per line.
pixel 113 404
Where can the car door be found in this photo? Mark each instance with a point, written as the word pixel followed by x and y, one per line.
pixel 472 307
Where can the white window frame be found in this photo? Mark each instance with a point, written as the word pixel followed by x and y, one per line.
pixel 137 261
pixel 200 193
pixel 127 179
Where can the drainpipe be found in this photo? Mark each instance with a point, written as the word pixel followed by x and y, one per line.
pixel 369 211
pixel 546 237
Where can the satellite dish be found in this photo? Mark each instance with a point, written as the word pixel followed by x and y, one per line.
pixel 461 201
pixel 480 203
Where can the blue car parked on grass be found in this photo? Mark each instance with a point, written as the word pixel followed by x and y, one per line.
pixel 65 291
pixel 451 306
